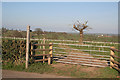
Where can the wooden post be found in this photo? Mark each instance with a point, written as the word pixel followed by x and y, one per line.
pixel 111 57
pixel 31 51
pixel 40 46
pixel 27 45
pixel 49 60
pixel 43 48
pixel 51 53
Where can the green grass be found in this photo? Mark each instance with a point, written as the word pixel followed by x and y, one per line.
pixel 64 70
pixel 82 72
pixel 11 66
pixel 35 67
pixel 108 73
pixel 40 68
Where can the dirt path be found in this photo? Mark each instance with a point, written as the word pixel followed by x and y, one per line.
pixel 18 74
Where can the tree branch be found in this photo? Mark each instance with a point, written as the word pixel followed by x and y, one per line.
pixel 75 27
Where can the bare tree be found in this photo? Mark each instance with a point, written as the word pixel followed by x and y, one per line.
pixel 80 27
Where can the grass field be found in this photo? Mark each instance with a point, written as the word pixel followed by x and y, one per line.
pixel 62 36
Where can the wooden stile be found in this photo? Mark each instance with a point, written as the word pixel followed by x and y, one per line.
pixel 49 56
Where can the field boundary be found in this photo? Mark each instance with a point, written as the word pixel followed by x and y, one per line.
pixel 61 40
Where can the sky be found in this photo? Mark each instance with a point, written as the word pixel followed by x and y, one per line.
pixel 102 17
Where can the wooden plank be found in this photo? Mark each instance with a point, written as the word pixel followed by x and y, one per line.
pixel 41 49
pixel 115 56
pixel 80 54
pixel 42 44
pixel 111 58
pixel 81 45
pixel 89 57
pixel 115 67
pixel 82 64
pixel 79 49
pixel 115 62
pixel 82 57
pixel 114 49
pixel 41 60
pixel 88 62
pixel 41 55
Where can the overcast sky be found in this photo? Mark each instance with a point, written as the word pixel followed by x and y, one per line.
pixel 60 16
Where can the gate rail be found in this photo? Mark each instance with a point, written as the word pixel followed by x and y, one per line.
pixel 49 55
pixel 113 63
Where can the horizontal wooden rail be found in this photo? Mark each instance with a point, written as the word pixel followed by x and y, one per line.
pixel 82 64
pixel 41 60
pixel 42 44
pixel 115 49
pixel 115 67
pixel 115 62
pixel 81 54
pixel 115 56
pixel 79 49
pixel 79 57
pixel 41 49
pixel 81 45
pixel 41 55
pixel 87 62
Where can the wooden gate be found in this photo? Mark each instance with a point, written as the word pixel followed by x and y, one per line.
pixel 64 53
pixel 46 57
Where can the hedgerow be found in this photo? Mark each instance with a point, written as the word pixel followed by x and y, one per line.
pixel 13 51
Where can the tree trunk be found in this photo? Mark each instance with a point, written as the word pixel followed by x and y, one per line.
pixel 81 37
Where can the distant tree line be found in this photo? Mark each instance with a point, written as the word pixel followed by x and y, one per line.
pixel 13 33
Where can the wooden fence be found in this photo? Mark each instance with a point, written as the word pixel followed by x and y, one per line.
pixel 87 54
pixel 62 40
pixel 81 59
pixel 113 62
pixel 49 55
